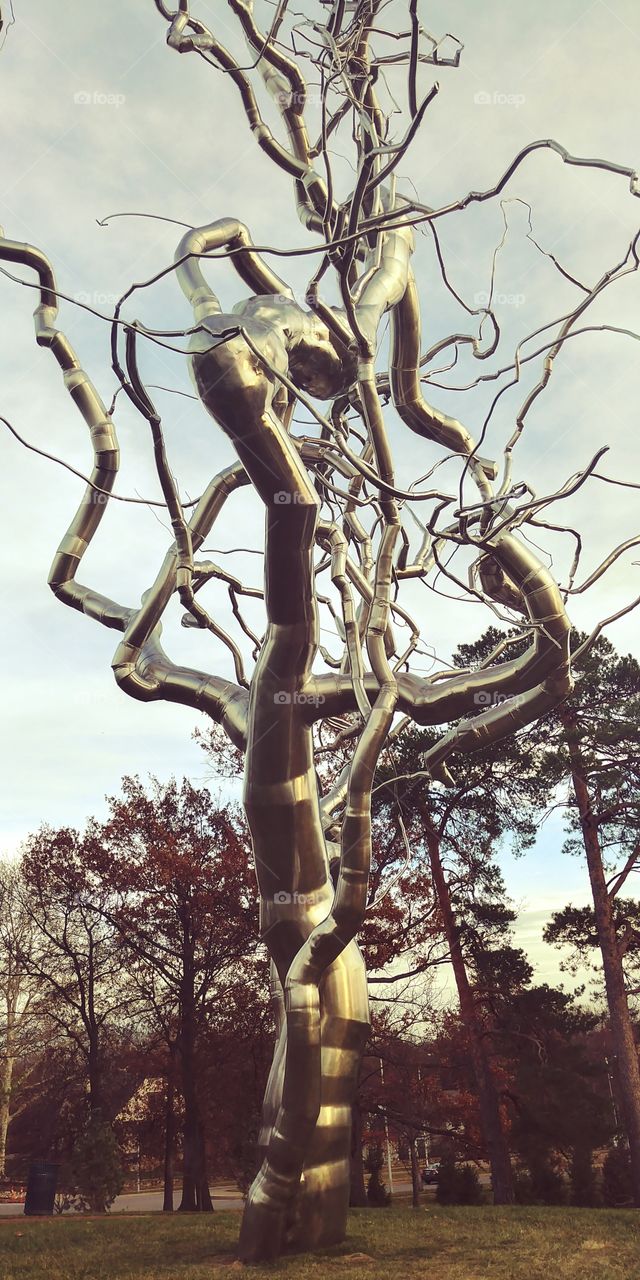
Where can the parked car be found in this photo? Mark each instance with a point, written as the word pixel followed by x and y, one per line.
pixel 430 1174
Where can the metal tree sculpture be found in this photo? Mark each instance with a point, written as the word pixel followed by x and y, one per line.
pixel 332 504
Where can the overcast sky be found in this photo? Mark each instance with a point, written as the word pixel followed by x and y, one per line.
pixel 99 117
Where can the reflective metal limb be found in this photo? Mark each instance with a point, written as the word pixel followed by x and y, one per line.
pixel 244 383
pixel 147 673
pixel 282 806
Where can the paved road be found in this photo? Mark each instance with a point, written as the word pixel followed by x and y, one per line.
pixel 225 1196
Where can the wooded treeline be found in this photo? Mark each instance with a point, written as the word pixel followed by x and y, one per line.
pixel 136 1027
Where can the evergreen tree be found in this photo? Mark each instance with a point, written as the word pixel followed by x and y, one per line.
pixel 592 744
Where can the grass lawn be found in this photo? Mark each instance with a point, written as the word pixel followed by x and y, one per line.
pixel 432 1243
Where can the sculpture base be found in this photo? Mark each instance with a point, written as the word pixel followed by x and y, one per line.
pixel 320 1222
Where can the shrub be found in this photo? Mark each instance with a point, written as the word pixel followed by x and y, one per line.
pixel 458 1184
pixel 547 1184
pixel 244 1158
pixel 584 1189
pixel 95 1168
pixel 523 1188
pixel 377 1194
pixel 446 1189
pixel 617 1188
pixel 468 1187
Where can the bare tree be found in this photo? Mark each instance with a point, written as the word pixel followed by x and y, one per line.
pixel 73 955
pixel 17 991
pixel 332 506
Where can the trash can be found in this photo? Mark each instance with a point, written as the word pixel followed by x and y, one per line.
pixel 41 1187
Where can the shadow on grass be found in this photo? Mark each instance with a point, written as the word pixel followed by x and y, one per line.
pixel 391 1244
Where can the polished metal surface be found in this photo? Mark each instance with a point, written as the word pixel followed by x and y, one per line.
pixel 331 502
pixel 300 1196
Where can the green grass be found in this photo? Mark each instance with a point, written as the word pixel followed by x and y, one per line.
pixel 398 1243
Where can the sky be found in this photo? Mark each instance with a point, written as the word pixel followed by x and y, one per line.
pixel 99 118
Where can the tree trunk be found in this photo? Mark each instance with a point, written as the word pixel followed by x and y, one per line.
pixel 95 1074
pixel 489 1104
pixel 6 1080
pixel 196 1197
pixel 300 1197
pixel 416 1180
pixel 6 1071
pixel 622 1035
pixel 169 1140
pixel 317 1216
pixel 358 1188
